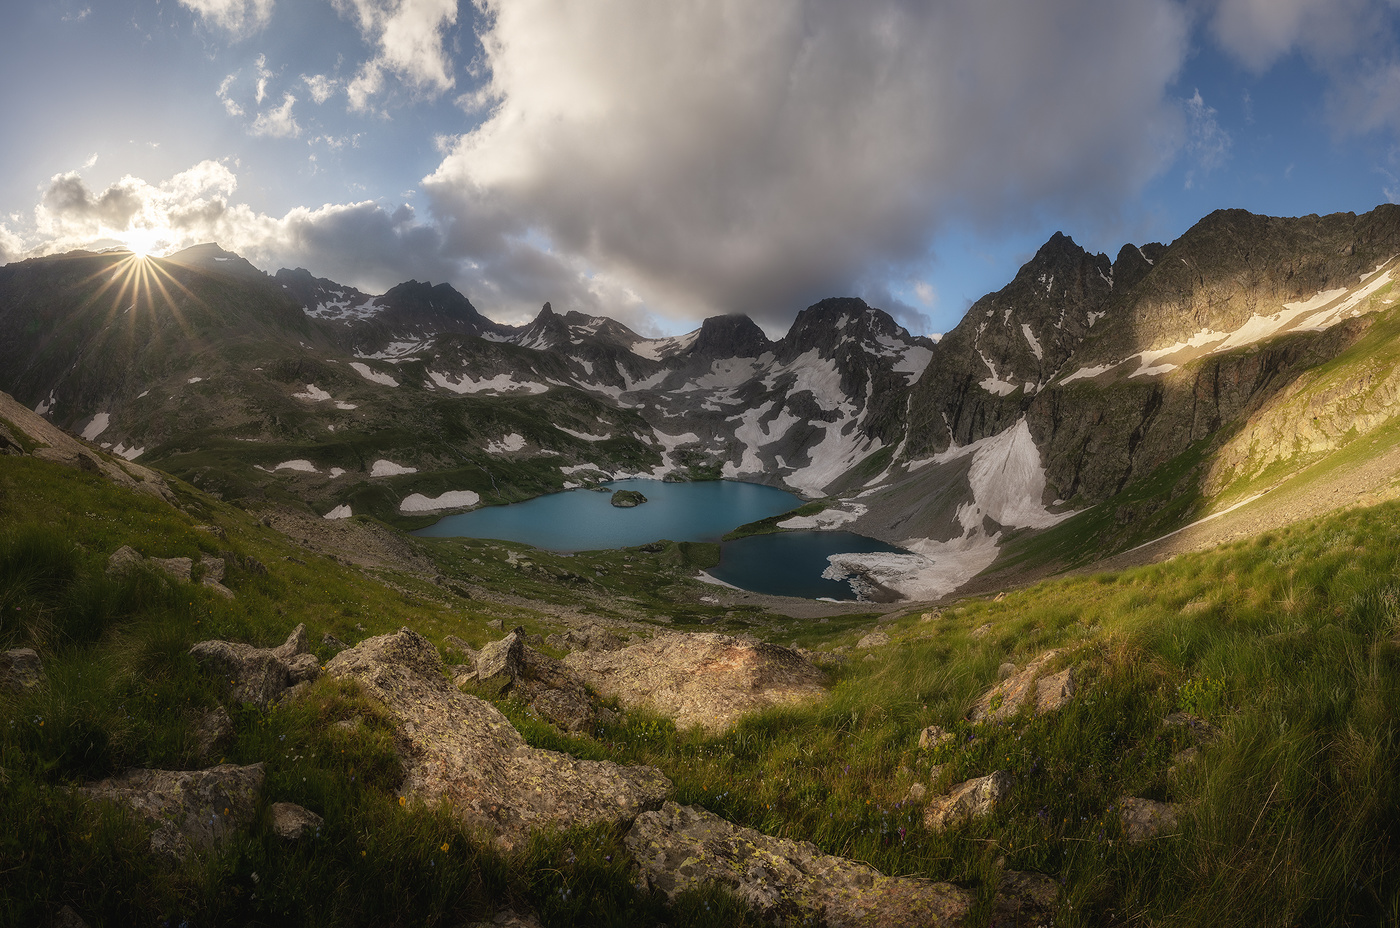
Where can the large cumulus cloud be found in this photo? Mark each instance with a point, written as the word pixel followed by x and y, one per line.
pixel 740 156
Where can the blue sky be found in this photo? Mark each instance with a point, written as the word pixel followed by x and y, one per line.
pixel 663 162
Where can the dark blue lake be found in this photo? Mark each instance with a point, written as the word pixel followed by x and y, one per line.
pixel 586 520
pixel 791 563
pixel 785 564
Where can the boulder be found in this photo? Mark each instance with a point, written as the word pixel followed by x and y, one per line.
pixel 193 811
pixel 967 800
pixel 499 663
pixel 679 848
pixel 1144 819
pixel 592 637
pixel 124 560
pixel 460 751
pixel 21 670
pixel 704 679
pixel 259 675
pixel 874 640
pixel 176 568
pixel 291 822
pixel 1029 687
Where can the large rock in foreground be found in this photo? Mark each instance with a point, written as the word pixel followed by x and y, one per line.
pixel 260 675
pixel 682 847
pixel 193 810
pixel 1030 687
pixel 703 679
pixel 461 750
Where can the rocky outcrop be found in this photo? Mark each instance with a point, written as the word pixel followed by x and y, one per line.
pixel 1144 819
pixel 1030 687
pixel 627 499
pixel 21 670
pixel 874 640
pixel 967 800
pixel 511 667
pixel 211 569
pixel 51 443
pixel 934 737
pixel 702 679
pixel 460 751
pixel 193 811
pixel 788 882
pixel 260 675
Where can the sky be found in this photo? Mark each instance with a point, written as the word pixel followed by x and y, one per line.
pixel 663 162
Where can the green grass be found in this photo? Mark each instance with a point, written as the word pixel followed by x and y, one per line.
pixel 1289 644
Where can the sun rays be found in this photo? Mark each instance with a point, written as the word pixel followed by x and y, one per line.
pixel 139 287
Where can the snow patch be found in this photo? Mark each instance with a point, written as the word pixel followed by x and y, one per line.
pixel 373 376
pixel 655 349
pixel 194 380
pixel 501 383
pixel 452 499
pixel 340 512
pixel 130 454
pixel 383 468
pixel 1084 373
pixel 827 518
pixel 574 469
pixel 341 404
pixel 45 405
pixel 584 435
pixel 313 394
pixel 510 443
pixel 1031 340
pixel 97 426
pixel 300 464
pixel 336 472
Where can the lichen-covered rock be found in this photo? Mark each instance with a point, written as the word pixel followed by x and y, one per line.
pixel 176 568
pixel 1144 819
pixel 682 847
pixel 259 675
pixel 701 679
pixel 193 810
pixel 499 663
pixel 292 822
pixel 1030 687
pixel 461 751
pixel 967 800
pixel 591 637
pixel 124 560
pixel 20 670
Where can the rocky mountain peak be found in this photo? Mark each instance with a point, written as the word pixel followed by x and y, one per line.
pixel 210 257
pixel 731 336
pixel 825 326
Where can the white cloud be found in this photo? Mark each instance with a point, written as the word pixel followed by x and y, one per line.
pixel 231 106
pixel 240 17
pixel 322 87
pixel 753 157
pixel 1207 144
pixel 1260 32
pixel 409 39
pixel 278 123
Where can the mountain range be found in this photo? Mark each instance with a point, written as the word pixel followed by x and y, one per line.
pixel 1088 407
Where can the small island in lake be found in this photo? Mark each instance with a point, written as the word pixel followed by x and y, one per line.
pixel 626 499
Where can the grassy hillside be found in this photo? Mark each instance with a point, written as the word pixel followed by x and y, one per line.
pixel 1288 645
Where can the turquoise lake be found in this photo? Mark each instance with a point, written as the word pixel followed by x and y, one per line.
pixel 787 564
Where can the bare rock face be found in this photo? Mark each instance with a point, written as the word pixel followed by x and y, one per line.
pixel 1030 687
pixel 462 751
pixel 683 847
pixel 291 822
pixel 967 800
pixel 20 670
pixel 260 675
pixel 701 679
pixel 193 811
pixel 1144 819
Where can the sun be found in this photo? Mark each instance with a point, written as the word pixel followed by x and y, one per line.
pixel 142 243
